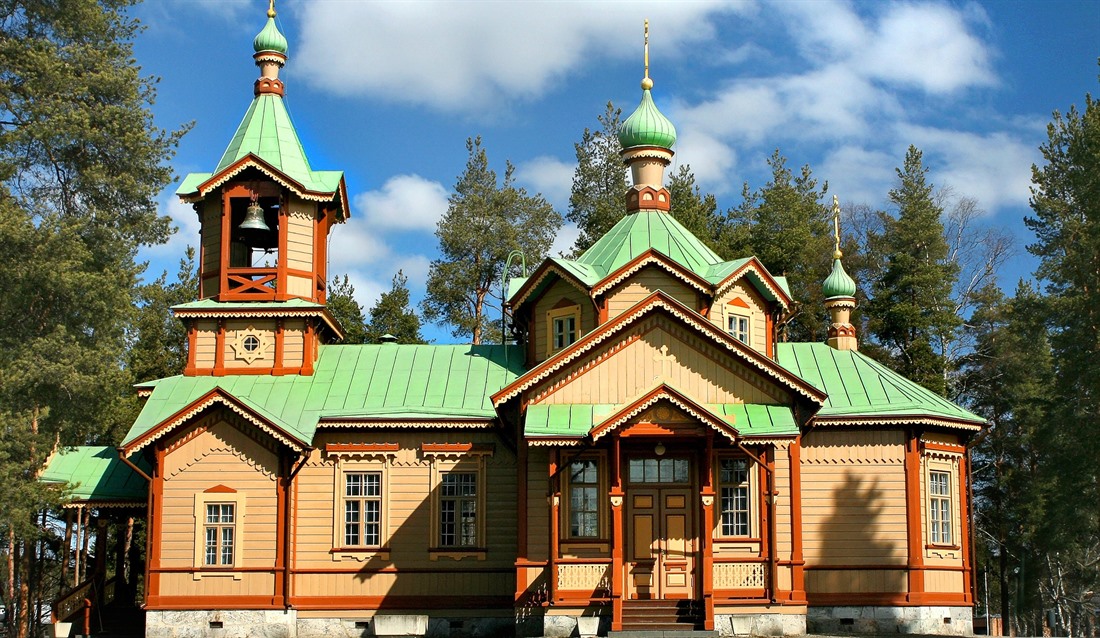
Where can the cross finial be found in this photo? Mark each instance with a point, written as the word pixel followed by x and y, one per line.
pixel 271 8
pixel 836 228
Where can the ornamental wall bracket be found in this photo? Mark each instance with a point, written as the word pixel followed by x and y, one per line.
pixel 616 500
pixel 708 500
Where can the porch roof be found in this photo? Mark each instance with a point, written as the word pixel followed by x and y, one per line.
pixel 96 473
pixel 577 420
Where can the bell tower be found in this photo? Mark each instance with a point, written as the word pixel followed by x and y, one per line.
pixel 265 215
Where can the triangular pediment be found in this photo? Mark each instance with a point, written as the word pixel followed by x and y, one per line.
pixel 659 341
pixel 664 411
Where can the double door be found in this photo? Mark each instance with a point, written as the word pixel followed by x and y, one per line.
pixel 661 539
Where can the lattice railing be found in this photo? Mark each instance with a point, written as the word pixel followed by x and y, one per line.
pixel 740 576
pixel 584 576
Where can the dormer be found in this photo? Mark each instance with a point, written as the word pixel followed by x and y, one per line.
pixel 265 216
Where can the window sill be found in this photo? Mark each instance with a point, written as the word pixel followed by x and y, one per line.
pixel 457 553
pixel 209 572
pixel 360 554
pixel 943 548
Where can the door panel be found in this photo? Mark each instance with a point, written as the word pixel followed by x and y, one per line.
pixel 661 533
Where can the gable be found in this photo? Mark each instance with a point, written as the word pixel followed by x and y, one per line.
pixel 742 300
pixel 645 282
pixel 652 351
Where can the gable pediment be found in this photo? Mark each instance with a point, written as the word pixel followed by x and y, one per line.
pixel 659 341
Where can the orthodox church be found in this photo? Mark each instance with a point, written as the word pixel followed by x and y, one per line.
pixel 650 456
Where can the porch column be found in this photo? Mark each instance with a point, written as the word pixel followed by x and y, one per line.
pixel 706 494
pixel 798 561
pixel 617 565
pixel 913 512
pixel 555 503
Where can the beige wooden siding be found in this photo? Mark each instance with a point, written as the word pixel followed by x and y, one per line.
pixel 410 528
pixel 944 581
pixel 644 283
pixel 756 312
pixel 876 581
pixel 234 332
pixel 853 499
pixel 552 298
pixel 697 368
pixel 299 236
pixel 211 243
pixel 299 286
pixel 221 457
pixel 206 342
pixel 293 342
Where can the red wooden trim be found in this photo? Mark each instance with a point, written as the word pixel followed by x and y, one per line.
pixel 220 489
pixel 191 368
pixel 769 334
pixel 657 257
pixel 400 570
pixel 219 350
pixel 913 511
pixel 762 271
pixel 282 509
pixel 280 346
pixel 227 228
pixel 210 602
pixel 707 492
pixel 617 535
pixel 309 346
pixel 943 447
pixel 758 595
pixel 553 549
pixel 152 542
pixel 798 577
pixel 361 447
pixel 280 266
pixel 501 603
pixel 457 447
pixel 964 524
pixel 653 429
pixel 872 567
pixel 772 550
pixel 320 235
pixel 521 509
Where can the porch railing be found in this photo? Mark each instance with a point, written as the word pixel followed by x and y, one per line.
pixel 588 577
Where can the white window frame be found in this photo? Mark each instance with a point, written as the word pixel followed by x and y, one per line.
pixel 347 460
pixel 752 500
pixel 450 459
pixel 599 487
pixel 941 505
pixel 219 496
pixel 736 332
pixel 562 316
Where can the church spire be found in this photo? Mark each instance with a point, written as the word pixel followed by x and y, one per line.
pixel 840 291
pixel 647 138
pixel 270 46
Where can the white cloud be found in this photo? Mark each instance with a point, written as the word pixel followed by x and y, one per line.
pixel 858 175
pixel 354 245
pixel 469 55
pixel 166 256
pixel 549 176
pixel 711 161
pixel 405 202
pixel 563 242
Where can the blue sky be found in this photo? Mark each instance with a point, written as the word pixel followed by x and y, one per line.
pixel 389 91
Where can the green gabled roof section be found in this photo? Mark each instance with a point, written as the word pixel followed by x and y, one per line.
pixel 648 230
pixel 268 134
pixel 567 421
pixel 97 474
pixel 862 390
pixel 352 382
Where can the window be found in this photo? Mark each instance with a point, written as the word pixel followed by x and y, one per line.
pixel 220 532
pixel 562 327
pixel 363 509
pixel 733 481
pixel 738 327
pixel 458 517
pixel 939 506
pixel 584 491
pixel 666 470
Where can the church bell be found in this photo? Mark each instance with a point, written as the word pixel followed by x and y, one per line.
pixel 254 231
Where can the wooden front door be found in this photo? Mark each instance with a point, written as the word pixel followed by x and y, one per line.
pixel 660 533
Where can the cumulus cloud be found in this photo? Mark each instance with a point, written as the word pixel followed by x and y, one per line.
pixel 405 202
pixel 549 176
pixel 166 256
pixel 468 55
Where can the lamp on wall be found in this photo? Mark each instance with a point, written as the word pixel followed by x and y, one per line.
pixel 660 449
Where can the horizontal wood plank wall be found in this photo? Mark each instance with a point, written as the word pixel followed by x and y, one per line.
pixel 220 456
pixel 206 343
pixel 783 517
pixel 644 283
pixel 294 339
pixel 299 235
pixel 405 566
pixel 299 286
pixel 756 311
pixel 538 510
pixel 211 247
pixel 702 371
pixel 551 298
pixel 853 512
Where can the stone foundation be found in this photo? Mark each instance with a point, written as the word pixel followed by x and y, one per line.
pixel 233 623
pixel 760 624
pixel 944 621
pixel 286 624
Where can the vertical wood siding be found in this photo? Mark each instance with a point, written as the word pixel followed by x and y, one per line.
pixel 211 243
pixel 757 312
pixel 206 342
pixel 644 283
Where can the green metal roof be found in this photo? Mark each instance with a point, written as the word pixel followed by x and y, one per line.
pixel 644 230
pixel 572 421
pixel 268 133
pixel 354 382
pixel 838 283
pixel 647 126
pixel 95 473
pixel 211 304
pixel 861 388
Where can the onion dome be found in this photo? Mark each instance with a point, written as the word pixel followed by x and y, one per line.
pixel 647 126
pixel 838 283
pixel 270 39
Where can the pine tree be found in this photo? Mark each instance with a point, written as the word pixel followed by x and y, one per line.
pixel 698 212
pixel 786 225
pixel 486 220
pixel 392 315
pixel 911 312
pixel 159 341
pixel 342 304
pixel 597 200
pixel 81 164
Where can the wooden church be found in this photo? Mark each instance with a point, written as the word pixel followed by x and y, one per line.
pixel 650 457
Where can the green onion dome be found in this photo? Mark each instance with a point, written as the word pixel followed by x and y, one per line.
pixel 269 39
pixel 838 283
pixel 646 126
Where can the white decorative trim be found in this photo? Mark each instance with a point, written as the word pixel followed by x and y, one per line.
pixel 166 428
pixel 251 163
pixel 728 282
pixel 898 420
pixel 263 344
pixel 554 442
pixel 77 503
pixel 369 423
pixel 654 258
pixel 554 268
pixel 144 393
pixel 675 309
pixel 237 313
pixel 616 500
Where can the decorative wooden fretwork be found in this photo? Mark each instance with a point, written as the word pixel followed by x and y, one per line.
pixel 739 576
pixel 584 576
